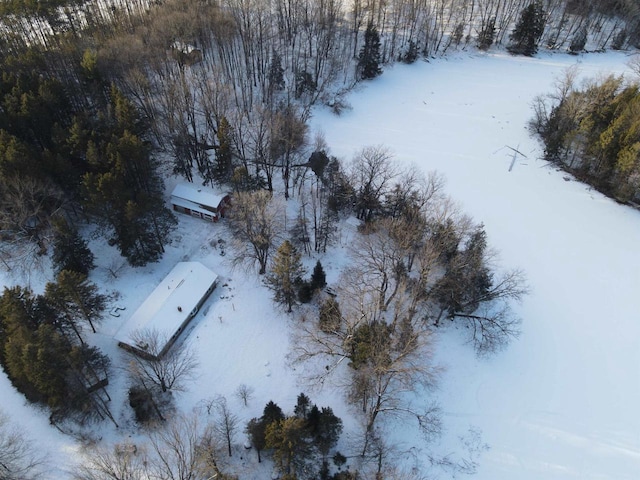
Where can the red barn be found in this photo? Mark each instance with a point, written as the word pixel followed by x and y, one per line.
pixel 200 202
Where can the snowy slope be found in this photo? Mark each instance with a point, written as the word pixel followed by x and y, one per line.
pixel 562 401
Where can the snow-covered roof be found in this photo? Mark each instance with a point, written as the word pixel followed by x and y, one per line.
pixel 181 202
pixel 171 303
pixel 200 195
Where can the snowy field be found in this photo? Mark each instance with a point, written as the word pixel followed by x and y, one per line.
pixel 560 403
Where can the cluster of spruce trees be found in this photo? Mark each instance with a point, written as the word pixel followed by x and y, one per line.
pixel 300 443
pixel 593 132
pixel 43 351
pixel 42 344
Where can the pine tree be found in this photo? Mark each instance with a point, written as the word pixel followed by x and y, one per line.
pixel 304 83
pixel 80 297
pixel 579 40
pixel 290 443
pixel 528 30
pixel 302 406
pixel 411 55
pixel 224 153
pixel 318 277
pixel 369 58
pixel 326 430
pixel 467 279
pixel 70 250
pixel 271 413
pixel 286 270
pixel 317 162
pixel 124 191
pixel 276 74
pixel 256 431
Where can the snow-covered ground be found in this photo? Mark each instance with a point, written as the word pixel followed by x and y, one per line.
pixel 560 402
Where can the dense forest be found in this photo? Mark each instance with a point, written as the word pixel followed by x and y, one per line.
pixel 100 101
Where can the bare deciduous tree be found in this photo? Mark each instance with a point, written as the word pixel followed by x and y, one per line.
pixel 186 449
pixel 26 209
pixel 387 349
pixel 19 459
pixel 120 462
pixel 177 448
pixel 256 220
pixel 372 173
pixel 494 325
pixel 245 393
pixel 168 371
pixel 226 423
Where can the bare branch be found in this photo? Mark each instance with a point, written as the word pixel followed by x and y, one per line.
pixel 19 459
pixel 170 371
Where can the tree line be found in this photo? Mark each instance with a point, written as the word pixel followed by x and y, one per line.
pixel 43 350
pixel 591 130
pixel 98 98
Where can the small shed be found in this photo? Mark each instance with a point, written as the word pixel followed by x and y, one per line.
pixel 169 308
pixel 200 202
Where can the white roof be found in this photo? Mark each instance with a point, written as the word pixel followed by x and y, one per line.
pixel 192 206
pixel 183 287
pixel 200 195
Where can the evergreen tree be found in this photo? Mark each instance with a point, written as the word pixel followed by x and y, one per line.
pixel 286 271
pixel 242 181
pixel 369 58
pixel 579 40
pixel 325 429
pixel 276 73
pixel 304 83
pixel 256 432
pixel 302 406
pixel 370 345
pixel 256 427
pixel 411 55
pixel 224 153
pixel 467 279
pixel 44 365
pixel 339 188
pixel 70 250
pixel 271 413
pixel 77 296
pixel 18 315
pixel 317 162
pixel 126 198
pixel 528 30
pixel 290 443
pixel 318 277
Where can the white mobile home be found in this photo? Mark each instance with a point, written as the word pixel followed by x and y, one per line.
pixel 169 308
